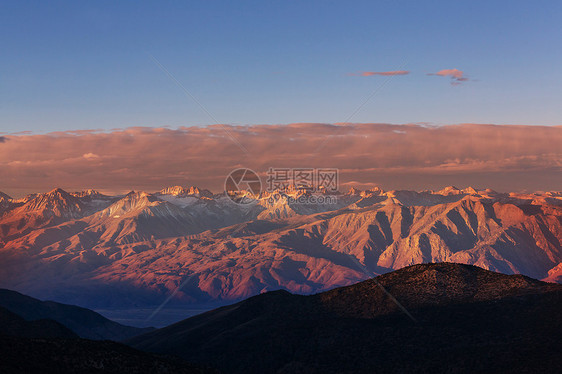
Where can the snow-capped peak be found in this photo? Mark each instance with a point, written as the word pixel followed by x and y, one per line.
pixel 88 193
pixel 185 191
pixel 452 190
pixel 174 190
pixel 134 201
pixel 57 202
pixel 353 191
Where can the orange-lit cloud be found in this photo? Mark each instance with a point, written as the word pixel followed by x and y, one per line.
pixel 456 75
pixel 411 156
pixel 384 73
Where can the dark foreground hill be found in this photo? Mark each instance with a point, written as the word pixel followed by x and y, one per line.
pixel 461 319
pixel 84 322
pixel 61 356
pixel 46 346
pixel 14 325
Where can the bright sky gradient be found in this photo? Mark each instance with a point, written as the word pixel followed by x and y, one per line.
pixel 87 65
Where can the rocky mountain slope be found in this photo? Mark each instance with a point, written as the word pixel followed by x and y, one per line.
pixel 141 248
pixel 459 319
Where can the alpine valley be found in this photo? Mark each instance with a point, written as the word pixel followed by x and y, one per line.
pixel 192 247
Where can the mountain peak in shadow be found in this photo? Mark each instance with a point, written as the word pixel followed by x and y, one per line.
pixel 425 285
pixel 466 318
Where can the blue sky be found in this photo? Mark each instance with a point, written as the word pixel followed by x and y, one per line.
pixel 87 65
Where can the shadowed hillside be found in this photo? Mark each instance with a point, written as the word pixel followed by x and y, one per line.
pixel 14 325
pixel 466 319
pixel 46 356
pixel 84 322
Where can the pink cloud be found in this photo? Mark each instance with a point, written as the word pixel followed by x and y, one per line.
pixel 457 76
pixel 455 73
pixel 384 73
pixel 412 156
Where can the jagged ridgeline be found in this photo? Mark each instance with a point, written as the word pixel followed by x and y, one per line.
pixel 95 250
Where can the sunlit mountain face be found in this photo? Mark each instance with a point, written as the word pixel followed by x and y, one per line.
pixel 194 247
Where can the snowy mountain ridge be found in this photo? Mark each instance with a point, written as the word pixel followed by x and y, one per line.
pixel 92 249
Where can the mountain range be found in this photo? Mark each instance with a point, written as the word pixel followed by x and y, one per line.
pixel 190 246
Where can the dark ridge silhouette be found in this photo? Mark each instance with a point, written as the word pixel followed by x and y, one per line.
pixel 13 325
pixel 467 320
pixel 46 346
pixel 84 322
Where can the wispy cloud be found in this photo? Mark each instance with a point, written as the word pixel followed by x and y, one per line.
pixel 409 156
pixel 383 73
pixel 454 73
pixel 457 76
